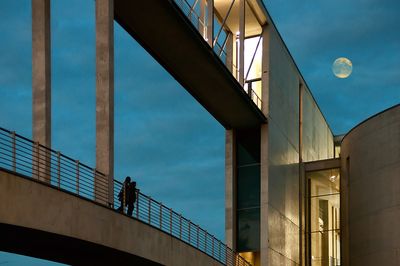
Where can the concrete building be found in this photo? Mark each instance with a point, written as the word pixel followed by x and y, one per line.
pixel 295 193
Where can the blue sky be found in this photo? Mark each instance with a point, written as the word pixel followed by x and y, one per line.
pixel 163 137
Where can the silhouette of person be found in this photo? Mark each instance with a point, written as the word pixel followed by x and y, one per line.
pixel 131 197
pixel 122 195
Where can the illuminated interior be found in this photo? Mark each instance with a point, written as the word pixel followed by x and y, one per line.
pixel 228 17
pixel 252 257
pixel 323 221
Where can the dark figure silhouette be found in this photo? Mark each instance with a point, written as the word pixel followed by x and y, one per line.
pixel 122 195
pixel 131 197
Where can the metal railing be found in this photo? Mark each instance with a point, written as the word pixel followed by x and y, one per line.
pixel 249 88
pixel 23 156
pixel 191 11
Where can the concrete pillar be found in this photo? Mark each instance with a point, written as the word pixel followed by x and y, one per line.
pixel 105 100
pixel 242 15
pixel 264 176
pixel 230 188
pixel 41 87
pixel 264 173
pixel 265 69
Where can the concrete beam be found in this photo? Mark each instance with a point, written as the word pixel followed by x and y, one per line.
pixel 322 165
pixel 105 96
pixel 41 85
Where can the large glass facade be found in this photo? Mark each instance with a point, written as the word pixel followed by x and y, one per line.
pixel 248 190
pixel 323 221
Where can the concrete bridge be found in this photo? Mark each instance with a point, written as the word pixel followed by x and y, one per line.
pixel 63 218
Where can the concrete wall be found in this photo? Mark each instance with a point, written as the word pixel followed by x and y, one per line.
pixel 25 203
pixel 370 189
pixel 317 137
pixel 284 152
pixel 283 201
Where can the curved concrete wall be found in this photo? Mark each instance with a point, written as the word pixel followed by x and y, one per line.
pixel 370 189
pixel 56 225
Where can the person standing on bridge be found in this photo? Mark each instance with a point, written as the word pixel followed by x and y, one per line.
pixel 122 195
pixel 131 197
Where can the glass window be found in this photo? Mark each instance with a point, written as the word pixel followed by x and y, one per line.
pixel 248 237
pixel 248 186
pixel 323 221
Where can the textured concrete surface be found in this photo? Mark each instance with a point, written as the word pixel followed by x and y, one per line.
pixel 105 94
pixel 41 82
pixel 56 217
pixel 41 69
pixel 370 191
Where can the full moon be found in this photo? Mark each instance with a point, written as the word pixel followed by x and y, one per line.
pixel 342 67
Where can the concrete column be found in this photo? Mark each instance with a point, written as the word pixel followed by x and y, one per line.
pixel 265 69
pixel 105 99
pixel 210 22
pixel 230 188
pixel 242 15
pixel 41 87
pixel 264 237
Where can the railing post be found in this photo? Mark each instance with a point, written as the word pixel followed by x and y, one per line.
pixel 197 240
pixel 170 221
pixel 137 203
pixel 14 151
pixel 58 169
pixel 219 250
pixel 180 226
pixel 124 197
pixel 161 215
pixel 212 245
pixel 189 231
pixel 205 242
pixel 37 160
pixel 77 176
pixel 150 210
pixel 94 180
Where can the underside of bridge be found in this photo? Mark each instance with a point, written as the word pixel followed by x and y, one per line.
pixel 63 249
pixel 164 31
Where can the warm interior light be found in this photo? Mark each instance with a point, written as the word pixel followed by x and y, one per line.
pixel 332 178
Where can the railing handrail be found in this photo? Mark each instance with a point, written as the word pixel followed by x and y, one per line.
pixel 24 156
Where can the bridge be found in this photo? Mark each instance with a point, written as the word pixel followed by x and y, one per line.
pixel 60 218
pixel 56 208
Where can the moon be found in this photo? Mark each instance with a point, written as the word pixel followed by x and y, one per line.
pixel 342 67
